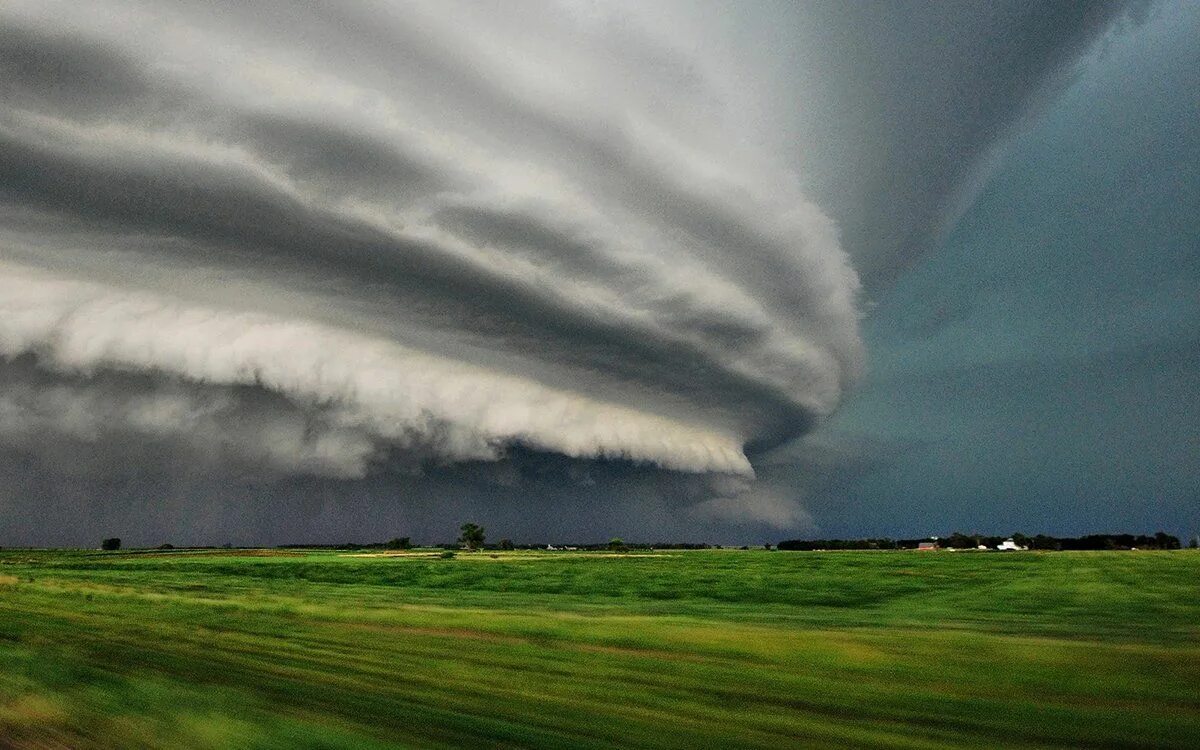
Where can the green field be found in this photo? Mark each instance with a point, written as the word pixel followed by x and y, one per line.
pixel 246 649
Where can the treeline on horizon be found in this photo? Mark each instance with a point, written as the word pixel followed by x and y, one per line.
pixel 402 543
pixel 1159 541
pixel 958 540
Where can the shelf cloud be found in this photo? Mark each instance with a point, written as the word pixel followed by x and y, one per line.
pixel 346 239
pixel 449 234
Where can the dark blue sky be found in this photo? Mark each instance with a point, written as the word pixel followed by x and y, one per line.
pixel 1040 369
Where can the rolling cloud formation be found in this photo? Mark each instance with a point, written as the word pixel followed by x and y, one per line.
pixel 333 241
pixel 425 227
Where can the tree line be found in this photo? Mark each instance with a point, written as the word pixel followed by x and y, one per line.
pixel 473 537
pixel 959 540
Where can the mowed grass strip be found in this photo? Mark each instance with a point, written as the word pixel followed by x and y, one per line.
pixel 674 650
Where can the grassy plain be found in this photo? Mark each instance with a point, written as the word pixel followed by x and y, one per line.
pixel 744 649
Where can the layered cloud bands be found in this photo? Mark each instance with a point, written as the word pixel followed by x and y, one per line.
pixel 326 237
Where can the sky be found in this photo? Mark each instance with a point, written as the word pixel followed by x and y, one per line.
pixel 574 270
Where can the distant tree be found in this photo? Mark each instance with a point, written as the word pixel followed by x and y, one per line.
pixel 958 540
pixel 617 543
pixel 1041 541
pixel 1163 540
pixel 166 546
pixel 1195 543
pixel 507 544
pixel 767 546
pixel 111 545
pixel 472 536
pixel 400 542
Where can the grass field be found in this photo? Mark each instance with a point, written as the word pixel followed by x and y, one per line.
pixel 541 649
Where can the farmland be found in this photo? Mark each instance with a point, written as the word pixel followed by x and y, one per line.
pixel 721 648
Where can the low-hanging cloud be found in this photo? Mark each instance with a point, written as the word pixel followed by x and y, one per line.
pixel 230 426
pixel 375 386
pixel 502 234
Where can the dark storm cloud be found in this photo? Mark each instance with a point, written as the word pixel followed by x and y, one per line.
pixel 342 243
pixel 567 237
pixel 247 427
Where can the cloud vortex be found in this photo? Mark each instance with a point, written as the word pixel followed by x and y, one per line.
pixel 426 228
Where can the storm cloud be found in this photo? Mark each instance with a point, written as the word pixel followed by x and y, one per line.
pixel 497 240
pixel 352 241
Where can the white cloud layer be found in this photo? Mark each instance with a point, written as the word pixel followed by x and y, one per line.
pixel 394 394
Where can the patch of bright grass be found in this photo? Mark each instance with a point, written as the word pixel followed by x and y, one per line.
pixel 536 649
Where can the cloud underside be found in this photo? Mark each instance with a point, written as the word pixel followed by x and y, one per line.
pixel 432 231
